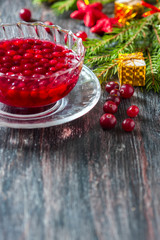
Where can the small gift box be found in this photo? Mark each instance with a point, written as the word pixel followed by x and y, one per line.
pixel 126 10
pixel 132 69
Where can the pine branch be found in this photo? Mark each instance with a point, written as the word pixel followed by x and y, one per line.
pixel 142 35
pixel 107 69
pixel 153 63
pixel 62 6
pixel 151 66
pixel 136 34
pixel 99 58
pixel 155 30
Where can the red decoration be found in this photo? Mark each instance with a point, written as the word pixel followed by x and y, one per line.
pixel 88 13
pixel 104 25
pixel 147 5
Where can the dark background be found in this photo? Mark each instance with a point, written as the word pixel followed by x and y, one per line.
pixel 76 181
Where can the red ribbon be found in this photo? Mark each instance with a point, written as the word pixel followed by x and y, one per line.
pixel 147 5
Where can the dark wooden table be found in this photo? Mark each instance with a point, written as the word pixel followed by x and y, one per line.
pixel 76 181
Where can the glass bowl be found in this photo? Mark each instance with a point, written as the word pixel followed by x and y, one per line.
pixel 29 89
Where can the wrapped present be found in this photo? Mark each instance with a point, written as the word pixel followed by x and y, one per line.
pixel 132 69
pixel 126 10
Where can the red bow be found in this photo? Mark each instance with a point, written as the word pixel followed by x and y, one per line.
pixel 104 25
pixel 88 13
pixel 147 5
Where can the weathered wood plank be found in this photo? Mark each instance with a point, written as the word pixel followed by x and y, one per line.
pixel 76 181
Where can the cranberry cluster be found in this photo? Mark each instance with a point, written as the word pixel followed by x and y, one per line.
pixel 34 72
pixel 108 120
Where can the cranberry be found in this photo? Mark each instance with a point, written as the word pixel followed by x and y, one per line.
pixel 35 47
pixel 30 51
pixel 111 85
pixel 27 73
pixel 38 56
pixel 14 47
pixel 38 64
pixel 57 54
pixel 49 56
pixel 30 41
pixel 59 65
pixel 18 42
pixel 115 99
pixel 16 69
pixel 44 60
pixel 24 61
pixel 17 57
pixel 46 50
pixel 115 92
pixel 108 121
pixel 38 52
pixel 128 125
pixel 53 69
pixel 6 59
pixel 11 53
pixel 7 65
pixel 9 73
pixel 47 28
pixel 110 107
pixel 47 45
pixel 2 53
pixel 132 111
pixel 28 55
pixel 26 46
pixel 27 66
pixel 3 69
pixel 39 70
pixel 21 51
pixel 82 35
pixel 126 91
pixel 25 14
pixel 53 62
pixel 46 65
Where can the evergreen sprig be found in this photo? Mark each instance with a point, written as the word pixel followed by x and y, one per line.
pixel 140 36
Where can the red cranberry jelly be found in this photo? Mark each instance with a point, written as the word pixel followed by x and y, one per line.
pixel 33 72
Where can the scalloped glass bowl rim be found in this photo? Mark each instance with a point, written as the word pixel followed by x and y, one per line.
pixel 56 74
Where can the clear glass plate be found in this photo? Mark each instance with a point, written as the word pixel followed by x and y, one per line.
pixel 78 102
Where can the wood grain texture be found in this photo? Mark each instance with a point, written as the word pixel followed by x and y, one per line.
pixel 76 181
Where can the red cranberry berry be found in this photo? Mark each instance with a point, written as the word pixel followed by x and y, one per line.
pixel 126 91
pixel 115 99
pixel 111 85
pixel 108 121
pixel 25 14
pixel 82 35
pixel 128 125
pixel 132 111
pixel 110 107
pixel 2 53
pixel 47 28
pixel 115 92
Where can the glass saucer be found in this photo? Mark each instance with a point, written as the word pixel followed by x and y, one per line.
pixel 78 102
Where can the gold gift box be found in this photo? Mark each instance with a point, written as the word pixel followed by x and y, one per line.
pixel 132 69
pixel 126 10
